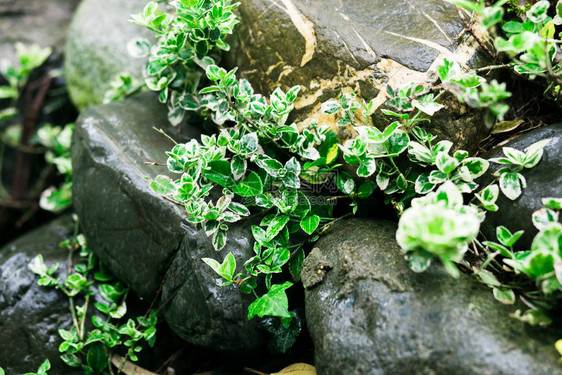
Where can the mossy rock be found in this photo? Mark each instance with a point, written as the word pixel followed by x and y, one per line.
pixel 96 48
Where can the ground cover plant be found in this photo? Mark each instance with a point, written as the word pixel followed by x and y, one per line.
pixel 98 334
pixel 259 163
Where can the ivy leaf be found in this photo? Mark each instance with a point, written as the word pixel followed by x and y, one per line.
pixel 251 186
pixel 226 269
pixel 310 223
pixel 274 303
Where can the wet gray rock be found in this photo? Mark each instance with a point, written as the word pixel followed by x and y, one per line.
pixel 30 315
pixel 544 180
pixel 356 46
pixel 144 239
pixel 96 48
pixel 33 21
pixel 370 314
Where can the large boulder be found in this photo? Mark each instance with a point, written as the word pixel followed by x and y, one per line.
pixel 96 48
pixel 368 313
pixel 330 45
pixel 144 239
pixel 34 21
pixel 543 180
pixel 31 315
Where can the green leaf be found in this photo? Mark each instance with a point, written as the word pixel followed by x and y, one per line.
pixel 219 171
pixel 37 266
pixel 274 303
pixel 71 360
pixel 397 142
pixel 476 166
pixel 295 264
pixel 367 167
pixel 488 278
pixel 505 296
pixel 96 357
pixel 513 27
pixel 366 189
pixel 249 144
pixel 250 186
pixel 539 263
pixel 271 166
pixel 219 239
pixel 345 182
pixel 552 203
pixel 276 225
pixel 330 107
pixel 446 163
pixel 310 223
pixel 238 167
pixel 543 218
pixel 163 185
pixel 510 185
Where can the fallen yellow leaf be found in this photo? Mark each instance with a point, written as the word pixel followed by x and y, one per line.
pixel 297 369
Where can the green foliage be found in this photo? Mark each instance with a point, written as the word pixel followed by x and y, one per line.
pixel 530 41
pixel 258 163
pixel 92 349
pixel 29 58
pixel 122 87
pixel 440 225
pixel 57 140
pixel 187 40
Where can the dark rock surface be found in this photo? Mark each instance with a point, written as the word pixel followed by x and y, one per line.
pixel 30 315
pixel 357 46
pixel 368 313
pixel 543 180
pixel 96 48
pixel 33 21
pixel 144 239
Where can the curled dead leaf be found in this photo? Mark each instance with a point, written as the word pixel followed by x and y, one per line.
pixel 506 126
pixel 129 368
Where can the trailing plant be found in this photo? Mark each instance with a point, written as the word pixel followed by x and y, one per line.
pixel 93 338
pixel 42 370
pixel 260 164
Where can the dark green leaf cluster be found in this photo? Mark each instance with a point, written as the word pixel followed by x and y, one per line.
pixel 187 38
pixel 92 349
